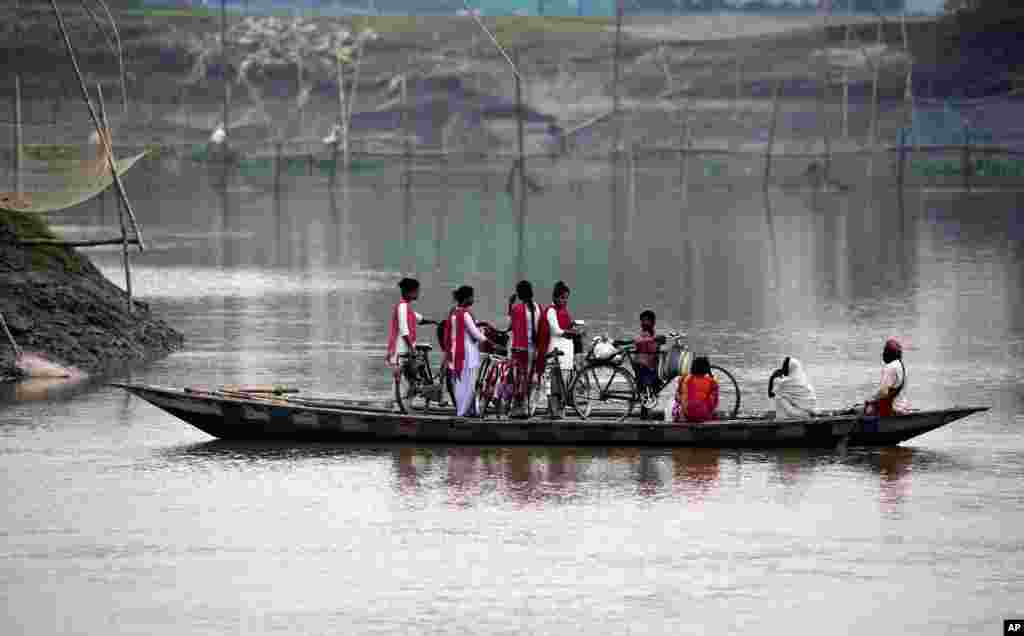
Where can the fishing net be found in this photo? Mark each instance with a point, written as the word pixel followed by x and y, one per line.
pixel 82 180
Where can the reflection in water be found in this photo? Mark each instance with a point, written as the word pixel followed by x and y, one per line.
pixel 695 473
pixel 894 470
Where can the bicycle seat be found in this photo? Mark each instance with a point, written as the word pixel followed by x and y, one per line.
pixel 520 350
pixel 622 343
pixel 554 354
pixel 424 347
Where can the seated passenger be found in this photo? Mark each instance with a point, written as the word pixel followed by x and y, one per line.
pixel 793 393
pixel 697 397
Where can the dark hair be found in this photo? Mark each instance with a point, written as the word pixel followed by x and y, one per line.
pixel 560 288
pixel 524 290
pixel 889 354
pixel 408 284
pixel 700 366
pixel 648 314
pixel 463 293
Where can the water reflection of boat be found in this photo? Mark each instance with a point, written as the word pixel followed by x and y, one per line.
pixel 240 416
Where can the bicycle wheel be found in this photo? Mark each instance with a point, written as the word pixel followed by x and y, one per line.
pixel 728 392
pixel 579 393
pixel 485 385
pixel 610 388
pixel 408 396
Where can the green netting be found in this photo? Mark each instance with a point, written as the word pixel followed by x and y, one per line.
pixel 256 167
pixel 78 188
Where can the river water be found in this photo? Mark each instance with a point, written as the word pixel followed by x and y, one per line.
pixel 121 519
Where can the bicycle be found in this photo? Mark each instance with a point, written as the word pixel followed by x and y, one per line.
pixel 605 379
pixel 415 384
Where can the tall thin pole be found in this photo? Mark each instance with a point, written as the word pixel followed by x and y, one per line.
pixel 520 262
pixel 17 103
pixel 908 97
pixel 224 64
pixel 120 210
pixel 17 135
pixel 846 84
pixel 771 134
pixel 615 78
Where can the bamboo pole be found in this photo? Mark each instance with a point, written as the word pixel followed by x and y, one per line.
pixel 874 102
pixel 225 105
pixel 17 103
pixel 846 86
pixel 737 88
pixel 10 338
pixel 521 244
pixel 120 212
pixel 771 133
pixel 908 98
pixel 966 168
pixel 96 122
pixel 17 135
pixel 616 104
pixel 90 243
pixel 684 138
pixel 822 107
pixel 125 259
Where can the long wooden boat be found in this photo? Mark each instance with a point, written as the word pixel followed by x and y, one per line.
pixel 282 417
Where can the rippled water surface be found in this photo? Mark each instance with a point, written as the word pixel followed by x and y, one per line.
pixel 121 519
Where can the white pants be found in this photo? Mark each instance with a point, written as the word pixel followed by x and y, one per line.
pixel 464 392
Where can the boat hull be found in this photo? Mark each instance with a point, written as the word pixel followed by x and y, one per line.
pixel 267 419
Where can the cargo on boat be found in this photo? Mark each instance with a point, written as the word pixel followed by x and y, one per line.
pixel 243 415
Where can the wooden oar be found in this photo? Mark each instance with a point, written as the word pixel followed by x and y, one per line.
pixel 257 388
pixel 14 345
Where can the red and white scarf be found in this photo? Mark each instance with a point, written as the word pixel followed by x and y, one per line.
pixel 410 319
pixel 457 339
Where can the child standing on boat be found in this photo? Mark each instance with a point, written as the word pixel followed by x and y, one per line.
pixel 697 396
pixel 402 335
pixel 645 360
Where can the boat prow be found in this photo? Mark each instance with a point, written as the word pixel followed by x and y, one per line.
pixel 277 416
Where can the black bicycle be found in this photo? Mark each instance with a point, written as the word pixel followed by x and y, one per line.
pixel 606 379
pixel 416 385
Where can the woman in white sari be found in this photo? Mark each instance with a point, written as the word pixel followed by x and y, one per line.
pixel 463 340
pixel 793 393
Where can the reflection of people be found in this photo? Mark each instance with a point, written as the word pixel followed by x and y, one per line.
pixel 697 396
pixel 464 355
pixel 793 393
pixel 894 470
pixel 888 399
